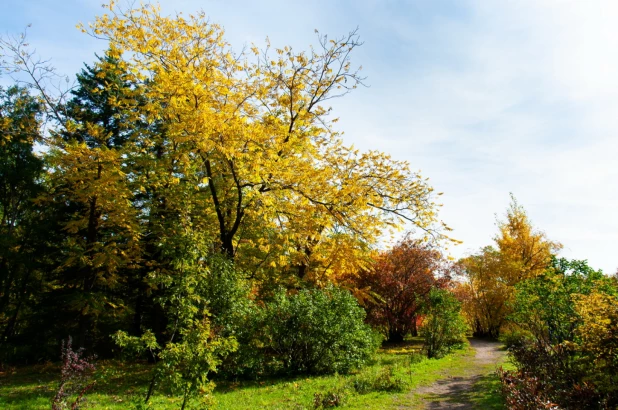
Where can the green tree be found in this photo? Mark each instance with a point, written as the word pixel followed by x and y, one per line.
pixel 444 328
pixel 21 182
pixel 92 198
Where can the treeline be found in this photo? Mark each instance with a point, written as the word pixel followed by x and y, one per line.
pixel 183 202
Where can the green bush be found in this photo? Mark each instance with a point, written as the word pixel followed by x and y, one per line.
pixel 311 332
pixel 444 328
pixel 565 346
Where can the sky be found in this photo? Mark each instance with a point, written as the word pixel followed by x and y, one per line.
pixel 486 98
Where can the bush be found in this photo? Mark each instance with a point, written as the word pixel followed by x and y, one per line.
pixel 444 329
pixel 311 332
pixel 513 336
pixel 523 392
pixel 565 352
pixel 75 378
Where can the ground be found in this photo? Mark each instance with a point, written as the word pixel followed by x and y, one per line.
pixel 461 391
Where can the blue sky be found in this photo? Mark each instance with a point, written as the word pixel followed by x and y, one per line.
pixel 484 97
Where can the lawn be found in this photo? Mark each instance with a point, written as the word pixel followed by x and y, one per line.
pixel 120 385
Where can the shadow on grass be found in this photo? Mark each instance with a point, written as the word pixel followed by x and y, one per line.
pixel 486 393
pixel 34 386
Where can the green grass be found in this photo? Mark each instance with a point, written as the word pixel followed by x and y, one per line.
pixel 119 385
pixel 486 392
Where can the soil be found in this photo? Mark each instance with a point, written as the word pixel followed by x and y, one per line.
pixel 453 392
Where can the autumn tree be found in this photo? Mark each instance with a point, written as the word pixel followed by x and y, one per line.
pixel 522 253
pixel 486 296
pixel 399 282
pixel 171 147
pixel 256 140
pixel 526 252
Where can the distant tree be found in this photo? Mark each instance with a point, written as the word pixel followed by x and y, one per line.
pixel 486 295
pixel 525 251
pixel 400 281
pixel 522 253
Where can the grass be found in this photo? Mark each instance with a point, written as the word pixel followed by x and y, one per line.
pixel 119 385
pixel 486 392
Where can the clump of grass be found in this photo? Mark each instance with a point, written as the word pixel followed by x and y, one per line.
pixel 331 398
pixel 384 381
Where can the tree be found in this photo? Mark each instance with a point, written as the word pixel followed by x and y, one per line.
pixel 400 281
pixel 487 296
pixel 444 328
pixel 255 140
pixel 93 199
pixel 525 251
pixel 21 174
pixel 170 142
pixel 522 253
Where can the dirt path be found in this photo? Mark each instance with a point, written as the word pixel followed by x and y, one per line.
pixel 453 392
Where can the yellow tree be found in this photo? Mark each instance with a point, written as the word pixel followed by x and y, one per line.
pixel 522 253
pixel 253 139
pixel 485 295
pixel 526 251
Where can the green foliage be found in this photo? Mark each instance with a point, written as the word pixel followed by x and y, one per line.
pixel 191 351
pixel 544 307
pixel 227 295
pixel 566 318
pixel 311 332
pixel 186 364
pixel 22 243
pixel 444 328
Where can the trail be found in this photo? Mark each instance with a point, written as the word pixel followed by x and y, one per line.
pixel 453 392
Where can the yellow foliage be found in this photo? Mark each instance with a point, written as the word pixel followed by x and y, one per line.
pixel 525 252
pixel 492 274
pixel 256 143
pixel 598 331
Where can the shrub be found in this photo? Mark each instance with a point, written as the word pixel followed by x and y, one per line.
pixel 566 351
pixel 189 351
pixel 75 377
pixel 311 332
pixel 444 329
pixel 523 392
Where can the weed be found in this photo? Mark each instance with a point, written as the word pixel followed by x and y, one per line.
pixel 330 398
pixel 75 375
